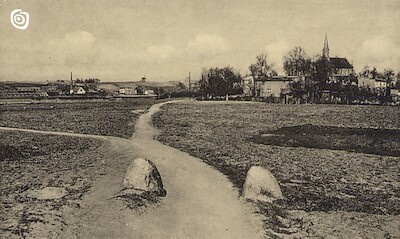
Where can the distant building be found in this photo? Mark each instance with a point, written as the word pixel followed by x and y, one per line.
pixel 368 82
pixel 77 90
pixel 149 92
pixel 275 86
pixel 395 95
pixel 342 71
pixel 29 89
pixel 128 91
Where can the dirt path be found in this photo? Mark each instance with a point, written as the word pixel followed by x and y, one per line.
pixel 59 133
pixel 200 202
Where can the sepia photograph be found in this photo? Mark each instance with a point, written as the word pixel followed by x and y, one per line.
pixel 217 119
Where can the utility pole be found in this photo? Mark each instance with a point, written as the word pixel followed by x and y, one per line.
pixel 189 82
pixel 71 86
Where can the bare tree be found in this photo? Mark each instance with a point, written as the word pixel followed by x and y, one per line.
pixel 296 62
pixel 261 69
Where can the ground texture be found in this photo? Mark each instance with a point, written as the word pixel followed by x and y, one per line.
pixel 200 202
pixel 318 183
pixel 107 117
pixel 31 161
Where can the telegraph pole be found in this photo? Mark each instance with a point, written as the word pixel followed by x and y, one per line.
pixel 189 82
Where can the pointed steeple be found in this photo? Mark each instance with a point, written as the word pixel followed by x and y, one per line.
pixel 325 51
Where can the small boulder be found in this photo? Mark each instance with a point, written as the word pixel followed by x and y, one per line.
pixel 142 176
pixel 261 185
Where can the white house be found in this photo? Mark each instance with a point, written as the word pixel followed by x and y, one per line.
pixel 149 92
pixel 77 90
pixel 371 83
pixel 128 91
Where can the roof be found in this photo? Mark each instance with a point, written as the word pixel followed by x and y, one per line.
pixel 277 78
pixel 340 63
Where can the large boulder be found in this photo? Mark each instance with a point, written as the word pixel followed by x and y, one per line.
pixel 261 185
pixel 142 176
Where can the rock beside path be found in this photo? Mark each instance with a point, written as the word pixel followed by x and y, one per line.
pixel 142 176
pixel 261 185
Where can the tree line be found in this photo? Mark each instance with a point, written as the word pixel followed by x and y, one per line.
pixel 314 78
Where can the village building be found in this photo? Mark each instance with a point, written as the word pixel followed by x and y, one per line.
pixel 395 95
pixel 129 90
pixel 150 92
pixel 77 90
pixel 28 89
pixel 341 70
pixel 367 82
pixel 275 86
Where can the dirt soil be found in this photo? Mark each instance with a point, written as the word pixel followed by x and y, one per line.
pixel 200 201
pixel 111 117
pixel 323 188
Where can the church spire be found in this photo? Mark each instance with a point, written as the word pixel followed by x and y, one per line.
pixel 325 51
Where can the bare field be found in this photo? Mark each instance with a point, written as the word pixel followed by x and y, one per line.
pixel 111 118
pixel 31 162
pixel 312 179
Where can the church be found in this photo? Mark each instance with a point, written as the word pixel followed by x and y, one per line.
pixel 341 70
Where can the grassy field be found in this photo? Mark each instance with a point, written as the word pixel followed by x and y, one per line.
pixel 233 136
pixel 111 117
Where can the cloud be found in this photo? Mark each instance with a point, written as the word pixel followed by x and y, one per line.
pixel 160 52
pixel 207 45
pixel 203 46
pixel 276 51
pixel 79 49
pixel 381 52
pixel 79 38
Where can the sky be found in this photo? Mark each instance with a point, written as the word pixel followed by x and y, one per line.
pixel 164 40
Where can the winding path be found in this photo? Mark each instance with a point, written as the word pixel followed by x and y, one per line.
pixel 200 201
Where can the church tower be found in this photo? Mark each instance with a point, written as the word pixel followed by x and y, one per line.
pixel 325 51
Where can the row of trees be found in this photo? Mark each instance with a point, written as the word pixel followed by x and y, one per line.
pixel 226 81
pixel 220 82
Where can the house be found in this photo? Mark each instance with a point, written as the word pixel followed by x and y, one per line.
pixel 149 92
pixel 77 90
pixel 395 95
pixel 341 69
pixel 367 82
pixel 128 90
pixel 274 86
